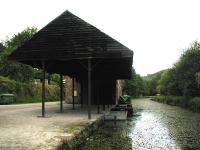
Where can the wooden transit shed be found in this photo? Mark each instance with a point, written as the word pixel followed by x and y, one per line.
pixel 70 46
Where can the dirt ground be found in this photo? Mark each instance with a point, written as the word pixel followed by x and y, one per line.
pixel 22 129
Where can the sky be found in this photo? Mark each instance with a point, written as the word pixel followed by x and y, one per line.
pixel 158 31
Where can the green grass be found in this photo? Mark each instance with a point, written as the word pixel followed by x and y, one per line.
pixel 73 127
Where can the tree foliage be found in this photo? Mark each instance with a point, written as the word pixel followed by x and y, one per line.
pixel 135 86
pixel 167 85
pixel 14 70
pixel 183 77
pixel 151 83
pixel 198 79
pixel 142 86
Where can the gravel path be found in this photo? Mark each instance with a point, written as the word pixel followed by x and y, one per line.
pixel 21 129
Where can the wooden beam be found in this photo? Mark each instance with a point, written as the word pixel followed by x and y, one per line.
pixel 61 93
pixel 43 89
pixel 89 88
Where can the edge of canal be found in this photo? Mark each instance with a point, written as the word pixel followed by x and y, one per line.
pixel 78 138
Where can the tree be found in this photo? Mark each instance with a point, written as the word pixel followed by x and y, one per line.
pixel 152 82
pixel 168 85
pixel 1 47
pixel 187 68
pixel 129 87
pixel 19 39
pixel 183 78
pixel 14 70
pixel 135 86
pixel 198 79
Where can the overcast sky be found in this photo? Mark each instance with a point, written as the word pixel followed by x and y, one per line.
pixel 156 30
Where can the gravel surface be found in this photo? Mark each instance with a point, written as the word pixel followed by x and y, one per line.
pixel 22 129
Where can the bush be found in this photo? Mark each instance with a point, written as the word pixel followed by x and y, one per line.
pixel 182 101
pixel 160 99
pixel 195 103
pixel 185 102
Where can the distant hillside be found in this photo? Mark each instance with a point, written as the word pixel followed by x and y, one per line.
pixel 149 77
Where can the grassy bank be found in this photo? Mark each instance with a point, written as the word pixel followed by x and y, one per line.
pixel 108 137
pixel 192 103
pixel 27 92
pixel 100 135
pixel 80 132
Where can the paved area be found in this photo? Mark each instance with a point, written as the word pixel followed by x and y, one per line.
pixel 21 129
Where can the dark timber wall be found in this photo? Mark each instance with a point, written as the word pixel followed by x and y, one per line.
pixel 103 92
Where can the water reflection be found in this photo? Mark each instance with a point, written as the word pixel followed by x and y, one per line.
pixel 161 126
pixel 149 133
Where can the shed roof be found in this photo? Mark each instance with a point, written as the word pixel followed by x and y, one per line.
pixel 67 42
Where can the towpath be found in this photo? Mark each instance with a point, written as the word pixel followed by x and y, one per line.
pixel 21 129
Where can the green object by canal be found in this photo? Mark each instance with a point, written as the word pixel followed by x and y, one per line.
pixel 124 99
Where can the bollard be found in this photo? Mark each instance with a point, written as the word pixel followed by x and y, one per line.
pixel 115 120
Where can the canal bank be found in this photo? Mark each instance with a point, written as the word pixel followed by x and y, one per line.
pixel 109 136
pixel 187 102
pixel 79 133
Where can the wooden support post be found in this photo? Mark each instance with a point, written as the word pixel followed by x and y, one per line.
pixel 98 101
pixel 89 88
pixel 81 94
pixel 61 93
pixel 115 120
pixel 117 93
pixel 98 109
pixel 73 93
pixel 104 107
pixel 43 89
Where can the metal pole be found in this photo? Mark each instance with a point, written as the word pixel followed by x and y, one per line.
pixel 61 93
pixel 43 89
pixel 73 93
pixel 89 88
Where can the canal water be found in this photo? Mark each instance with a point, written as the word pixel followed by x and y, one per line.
pixel 154 126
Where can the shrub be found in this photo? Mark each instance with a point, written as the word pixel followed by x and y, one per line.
pixel 182 101
pixel 159 99
pixel 195 103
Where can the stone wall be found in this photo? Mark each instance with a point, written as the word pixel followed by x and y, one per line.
pixel 119 88
pixel 68 90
